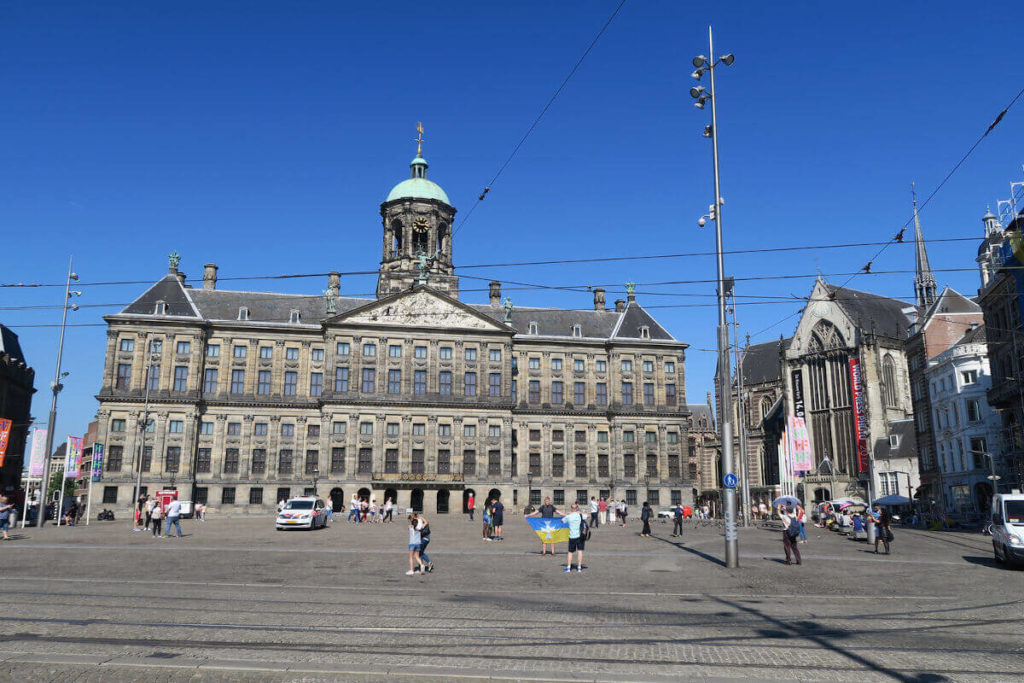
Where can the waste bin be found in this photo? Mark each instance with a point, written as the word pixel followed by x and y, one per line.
pixel 871 527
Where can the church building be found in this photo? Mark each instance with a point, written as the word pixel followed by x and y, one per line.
pixel 413 395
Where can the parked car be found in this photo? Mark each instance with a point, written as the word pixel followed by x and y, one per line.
pixel 1008 528
pixel 305 512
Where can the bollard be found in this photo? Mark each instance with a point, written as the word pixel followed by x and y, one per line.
pixel 870 526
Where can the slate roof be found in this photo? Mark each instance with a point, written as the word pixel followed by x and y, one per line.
pixel 872 312
pixel 761 361
pixel 171 292
pixel 699 410
pixel 975 336
pixel 951 301
pixel 9 345
pixel 908 441
pixel 223 305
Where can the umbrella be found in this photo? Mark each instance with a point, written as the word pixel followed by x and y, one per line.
pixel 789 501
pixel 892 499
pixel 846 500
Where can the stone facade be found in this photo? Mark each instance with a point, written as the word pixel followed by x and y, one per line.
pixel 413 395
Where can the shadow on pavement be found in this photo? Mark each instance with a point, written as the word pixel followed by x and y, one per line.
pixel 693 551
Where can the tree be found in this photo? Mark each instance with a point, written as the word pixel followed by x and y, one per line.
pixel 69 485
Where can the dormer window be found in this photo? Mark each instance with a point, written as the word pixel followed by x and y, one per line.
pixel 645 332
pixel 243 313
pixel 894 441
pixel 533 328
pixel 577 330
pixel 294 316
pixel 160 308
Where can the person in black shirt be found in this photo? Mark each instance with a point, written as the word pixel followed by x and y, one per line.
pixel 546 511
pixel 497 518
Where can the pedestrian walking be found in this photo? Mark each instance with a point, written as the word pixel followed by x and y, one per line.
pixel 594 509
pixel 613 511
pixel 353 509
pixel 790 532
pixel 470 504
pixel 884 533
pixel 173 513
pixel 371 511
pixel 423 526
pixel 6 510
pixel 149 511
pixel 497 518
pixel 577 538
pixel 389 510
pixel 546 511
pixel 602 510
pixel 623 511
pixel 677 520
pixel 330 508
pixel 645 517
pixel 156 515
pixel 414 547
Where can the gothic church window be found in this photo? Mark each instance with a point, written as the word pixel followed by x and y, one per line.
pixel 889 381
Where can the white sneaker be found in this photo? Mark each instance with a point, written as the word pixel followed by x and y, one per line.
pixel 410 573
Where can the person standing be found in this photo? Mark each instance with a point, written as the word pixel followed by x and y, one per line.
pixel 623 510
pixel 6 510
pixel 546 511
pixel 173 518
pixel 156 516
pixel 677 520
pixel 423 526
pixel 645 517
pixel 470 504
pixel 602 510
pixel 330 508
pixel 790 532
pixel 577 538
pixel 389 511
pixel 497 518
pixel 414 547
pixel 593 511
pixel 800 518
pixel 884 531
pixel 149 511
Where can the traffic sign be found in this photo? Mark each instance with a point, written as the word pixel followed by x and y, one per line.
pixel 730 481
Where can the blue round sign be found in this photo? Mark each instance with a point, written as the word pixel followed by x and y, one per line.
pixel 730 481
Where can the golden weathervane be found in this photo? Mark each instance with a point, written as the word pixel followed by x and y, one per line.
pixel 419 138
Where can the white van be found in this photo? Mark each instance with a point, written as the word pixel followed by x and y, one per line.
pixel 1008 528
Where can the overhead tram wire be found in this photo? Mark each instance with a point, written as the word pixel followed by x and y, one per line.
pixel 898 237
pixel 599 259
pixel 515 150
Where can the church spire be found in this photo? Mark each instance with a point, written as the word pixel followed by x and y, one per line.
pixel 924 282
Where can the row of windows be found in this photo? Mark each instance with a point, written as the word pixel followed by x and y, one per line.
pixel 369 350
pixel 579 393
pixel 313 430
pixel 629 465
pixel 583 496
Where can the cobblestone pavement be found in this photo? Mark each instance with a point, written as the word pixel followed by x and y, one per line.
pixel 235 600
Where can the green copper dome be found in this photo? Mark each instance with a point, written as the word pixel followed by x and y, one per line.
pixel 418 187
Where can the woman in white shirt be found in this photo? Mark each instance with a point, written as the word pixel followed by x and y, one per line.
pixel 790 533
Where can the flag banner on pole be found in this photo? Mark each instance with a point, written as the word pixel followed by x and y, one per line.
pixel 38 458
pixel 73 460
pixel 97 461
pixel 5 436
pixel 550 529
pixel 802 457
pixel 860 414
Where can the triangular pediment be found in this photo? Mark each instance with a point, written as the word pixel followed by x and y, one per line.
pixel 420 307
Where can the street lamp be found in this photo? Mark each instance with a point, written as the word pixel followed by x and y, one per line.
pixel 702 96
pixel 992 462
pixel 143 428
pixel 56 386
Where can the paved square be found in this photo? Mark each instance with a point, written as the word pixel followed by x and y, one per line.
pixel 235 600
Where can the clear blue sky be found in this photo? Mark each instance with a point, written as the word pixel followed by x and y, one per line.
pixel 263 135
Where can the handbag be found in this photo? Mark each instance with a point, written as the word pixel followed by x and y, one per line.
pixel 793 531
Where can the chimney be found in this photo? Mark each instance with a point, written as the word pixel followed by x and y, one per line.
pixel 181 277
pixel 495 293
pixel 210 276
pixel 620 305
pixel 598 299
pixel 333 283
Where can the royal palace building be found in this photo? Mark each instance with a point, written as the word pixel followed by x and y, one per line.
pixel 254 397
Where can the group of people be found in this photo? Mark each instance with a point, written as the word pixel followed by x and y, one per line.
pixel 419 539
pixel 362 510
pixel 151 512
pixel 578 531
pixel 494 519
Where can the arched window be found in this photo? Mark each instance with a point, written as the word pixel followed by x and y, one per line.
pixel 442 238
pixel 766 405
pixel 396 237
pixel 889 381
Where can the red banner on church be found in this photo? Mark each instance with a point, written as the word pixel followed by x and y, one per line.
pixel 5 435
pixel 860 414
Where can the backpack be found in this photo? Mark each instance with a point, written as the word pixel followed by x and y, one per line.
pixel 584 529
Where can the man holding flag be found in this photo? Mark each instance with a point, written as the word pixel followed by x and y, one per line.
pixel 546 531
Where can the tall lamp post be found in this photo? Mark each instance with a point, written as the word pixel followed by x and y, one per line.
pixel 56 386
pixel 992 463
pixel 708 65
pixel 143 428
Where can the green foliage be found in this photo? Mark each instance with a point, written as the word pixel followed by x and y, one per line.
pixel 69 485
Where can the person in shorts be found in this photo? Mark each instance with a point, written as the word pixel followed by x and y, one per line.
pixel 6 510
pixel 576 524
pixel 497 518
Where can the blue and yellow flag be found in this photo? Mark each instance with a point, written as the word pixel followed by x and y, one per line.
pixel 550 529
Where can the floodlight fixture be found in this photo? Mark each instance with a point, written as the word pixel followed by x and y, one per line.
pixel 699 61
pixel 696 91
pixel 728 59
